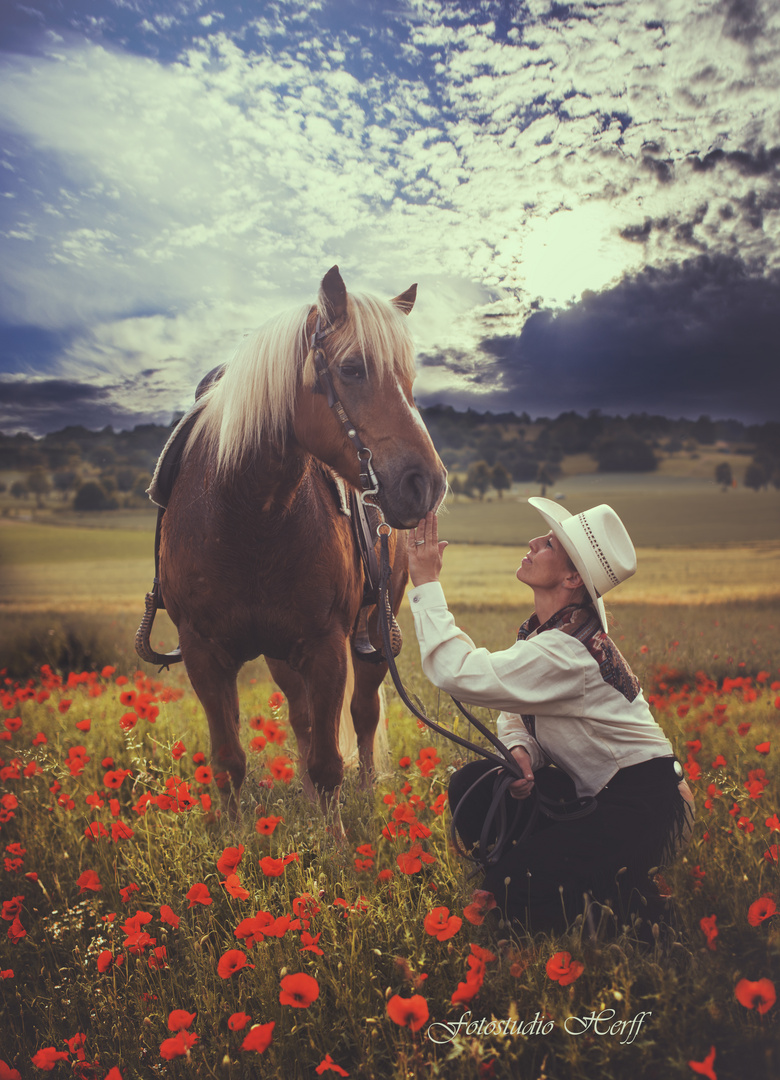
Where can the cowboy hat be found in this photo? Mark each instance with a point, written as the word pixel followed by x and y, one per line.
pixel 597 543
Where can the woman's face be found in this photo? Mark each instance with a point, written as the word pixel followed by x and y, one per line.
pixel 546 566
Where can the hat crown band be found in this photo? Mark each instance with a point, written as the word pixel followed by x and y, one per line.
pixel 603 561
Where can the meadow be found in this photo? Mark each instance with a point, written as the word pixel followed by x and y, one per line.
pixel 146 938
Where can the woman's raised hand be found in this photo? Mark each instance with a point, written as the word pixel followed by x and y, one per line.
pixel 425 550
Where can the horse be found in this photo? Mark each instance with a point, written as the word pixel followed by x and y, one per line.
pixel 256 558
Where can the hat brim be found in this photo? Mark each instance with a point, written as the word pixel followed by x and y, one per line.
pixel 555 515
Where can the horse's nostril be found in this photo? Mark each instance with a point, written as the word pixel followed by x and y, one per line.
pixel 414 487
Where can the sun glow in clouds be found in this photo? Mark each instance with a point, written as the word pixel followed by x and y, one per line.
pixel 573 250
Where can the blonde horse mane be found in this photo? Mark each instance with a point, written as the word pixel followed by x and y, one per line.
pixel 255 397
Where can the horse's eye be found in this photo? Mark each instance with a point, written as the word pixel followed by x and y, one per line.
pixel 352 371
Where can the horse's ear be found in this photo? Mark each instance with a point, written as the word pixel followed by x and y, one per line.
pixel 405 302
pixel 333 296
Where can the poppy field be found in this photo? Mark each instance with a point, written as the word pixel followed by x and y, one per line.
pixel 145 937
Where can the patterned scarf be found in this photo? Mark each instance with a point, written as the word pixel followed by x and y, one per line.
pixel 582 622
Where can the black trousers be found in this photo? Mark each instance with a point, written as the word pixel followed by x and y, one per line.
pixel 543 879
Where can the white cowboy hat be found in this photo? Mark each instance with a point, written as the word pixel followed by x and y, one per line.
pixel 597 543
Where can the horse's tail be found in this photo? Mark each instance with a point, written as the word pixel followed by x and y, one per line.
pixel 347 738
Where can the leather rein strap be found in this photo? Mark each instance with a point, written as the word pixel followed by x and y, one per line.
pixel 505 769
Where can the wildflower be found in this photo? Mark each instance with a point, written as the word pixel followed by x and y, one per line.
pixel 439 803
pixel 773 823
pixel 112 1074
pixel 238 1021
pixel 305 906
pixel 328 1064
pixel 199 894
pixel 167 915
pixel 710 929
pixel 115 777
pixel 309 943
pixel 282 768
pixel 756 995
pixel 266 825
pixel 259 1037
pixel 128 721
pixel 761 909
pixel 229 859
pixel 158 959
pixel 411 1011
pixel 48 1057
pixel 178 750
pixel 745 824
pixel 772 853
pixel 276 700
pixel 233 886
pixel 230 962
pixel 299 990
pixel 706 1067
pixel 178 1046
pixel 203 774
pixel 179 1019
pixel 562 969
pixel 11 908
pixel 481 902
pixel 104 961
pixel 6 973
pixel 89 880
pixel 763 748
pixel 127 890
pixel 440 924
pixel 120 831
pixel 16 931
pixel 7 1073
pixel 411 861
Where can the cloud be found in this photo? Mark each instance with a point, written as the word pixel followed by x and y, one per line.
pixel 167 190
pixel 712 351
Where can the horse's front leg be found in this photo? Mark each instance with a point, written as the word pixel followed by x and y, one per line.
pixel 365 709
pixel 293 686
pixel 324 671
pixel 212 672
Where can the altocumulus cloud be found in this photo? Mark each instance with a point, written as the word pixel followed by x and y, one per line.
pixel 174 175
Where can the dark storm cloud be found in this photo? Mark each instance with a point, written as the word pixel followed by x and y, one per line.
pixel 44 405
pixel 698 338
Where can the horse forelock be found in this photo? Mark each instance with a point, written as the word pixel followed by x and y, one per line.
pixel 255 397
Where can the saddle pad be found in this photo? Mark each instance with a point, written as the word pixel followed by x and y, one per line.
pixel 167 468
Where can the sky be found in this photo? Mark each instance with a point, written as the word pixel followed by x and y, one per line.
pixel 587 195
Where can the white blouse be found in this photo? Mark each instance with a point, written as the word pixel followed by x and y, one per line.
pixel 583 724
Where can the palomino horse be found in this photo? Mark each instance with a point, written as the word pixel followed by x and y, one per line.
pixel 255 556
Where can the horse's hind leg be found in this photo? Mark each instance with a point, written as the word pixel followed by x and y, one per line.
pixel 212 673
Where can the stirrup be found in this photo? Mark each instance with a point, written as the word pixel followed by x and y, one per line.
pixel 362 643
pixel 142 644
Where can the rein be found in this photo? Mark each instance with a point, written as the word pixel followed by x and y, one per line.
pixel 505 769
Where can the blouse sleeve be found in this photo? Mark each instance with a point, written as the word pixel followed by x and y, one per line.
pixel 538 675
pixel 512 732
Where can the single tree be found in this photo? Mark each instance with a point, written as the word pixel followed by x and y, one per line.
pixel 478 477
pixel 500 478
pixel 723 475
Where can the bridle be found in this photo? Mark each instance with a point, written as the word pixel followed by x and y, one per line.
pixel 505 769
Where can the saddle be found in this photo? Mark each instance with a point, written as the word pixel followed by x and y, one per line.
pixel 364 520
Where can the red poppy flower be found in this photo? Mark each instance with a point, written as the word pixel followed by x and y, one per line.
pixel 16 931
pixel 127 891
pixel 178 750
pixel 266 825
pixel 128 721
pixel 234 887
pixel 272 867
pixel 179 1019
pixel 411 1012
pixel 203 774
pixel 127 697
pixel 282 768
pixel 764 747
pixel 112 1074
pixel 760 910
pixel 276 700
pixel 259 1037
pixel 482 901
pixel 409 862
pixel 706 1067
pixel 89 880
pixel 710 929
pixel 562 969
pixel 120 831
pixel 230 962
pixel 6 973
pixel 756 995
pixel 440 924
pixel 238 1021
pixel 104 961
pixel 229 859
pixel 329 1065
pixel 309 943
pixel 178 1046
pixel 167 915
pixel 114 777
pixel 199 894
pixel 7 1073
pixel 11 908
pixel 773 823
pixel 772 854
pixel 48 1057
pixel 299 990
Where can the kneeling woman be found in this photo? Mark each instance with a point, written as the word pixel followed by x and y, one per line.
pixel 573 716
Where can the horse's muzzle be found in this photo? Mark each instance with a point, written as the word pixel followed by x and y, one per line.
pixel 409 492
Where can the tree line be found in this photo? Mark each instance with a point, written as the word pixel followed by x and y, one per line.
pixel 107 469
